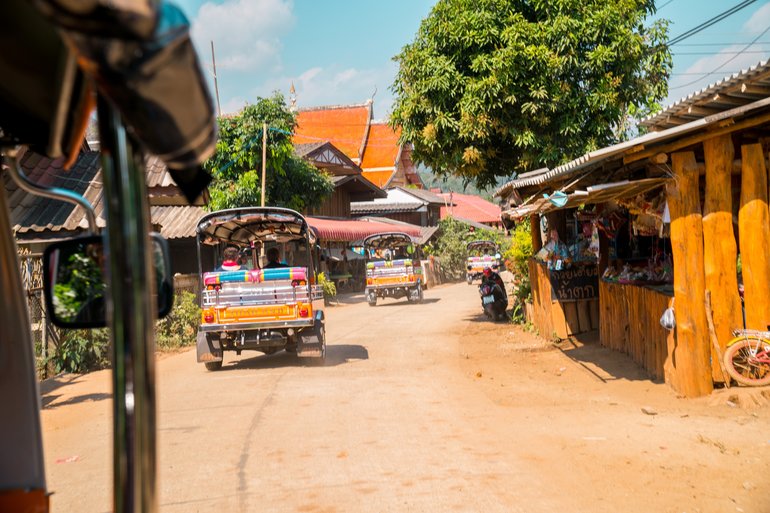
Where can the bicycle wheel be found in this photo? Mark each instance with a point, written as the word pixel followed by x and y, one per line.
pixel 747 360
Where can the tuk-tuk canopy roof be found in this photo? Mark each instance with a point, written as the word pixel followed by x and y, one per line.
pixel 241 226
pixel 480 244
pixel 354 230
pixel 388 240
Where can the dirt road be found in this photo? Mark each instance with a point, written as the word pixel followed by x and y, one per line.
pixel 421 408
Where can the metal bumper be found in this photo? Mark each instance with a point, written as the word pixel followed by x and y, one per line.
pixel 235 326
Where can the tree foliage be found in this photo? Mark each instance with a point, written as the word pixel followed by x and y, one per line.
pixel 493 87
pixel 450 244
pixel 237 164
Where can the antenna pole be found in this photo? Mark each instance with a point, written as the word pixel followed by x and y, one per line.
pixel 216 85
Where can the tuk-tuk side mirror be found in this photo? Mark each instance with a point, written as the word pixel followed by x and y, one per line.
pixel 75 285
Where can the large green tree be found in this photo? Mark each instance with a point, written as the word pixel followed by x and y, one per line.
pixel 493 87
pixel 236 166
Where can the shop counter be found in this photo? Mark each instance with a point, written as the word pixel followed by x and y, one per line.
pixel 566 302
pixel 630 323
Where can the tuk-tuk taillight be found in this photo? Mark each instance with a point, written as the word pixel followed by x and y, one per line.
pixel 370 281
pixel 304 311
pixel 208 316
pixel 298 283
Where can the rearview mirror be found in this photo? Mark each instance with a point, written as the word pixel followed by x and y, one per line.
pixel 76 287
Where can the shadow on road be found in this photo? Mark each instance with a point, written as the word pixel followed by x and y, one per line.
pixel 604 363
pixel 480 317
pixel 47 400
pixel 403 301
pixel 335 355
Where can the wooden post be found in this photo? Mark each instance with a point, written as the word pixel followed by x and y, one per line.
pixel 720 248
pixel 534 228
pixel 692 353
pixel 754 230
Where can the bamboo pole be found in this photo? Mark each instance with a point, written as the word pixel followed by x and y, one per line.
pixel 692 353
pixel 720 248
pixel 754 228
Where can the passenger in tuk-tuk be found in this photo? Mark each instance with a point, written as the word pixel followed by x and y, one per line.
pixel 231 261
pixel 273 259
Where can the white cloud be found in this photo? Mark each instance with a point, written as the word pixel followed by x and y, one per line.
pixel 246 33
pixel 338 86
pixel 759 20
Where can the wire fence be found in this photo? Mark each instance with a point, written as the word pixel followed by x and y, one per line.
pixel 45 336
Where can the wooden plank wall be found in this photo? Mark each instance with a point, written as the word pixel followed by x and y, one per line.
pixel 555 319
pixel 630 323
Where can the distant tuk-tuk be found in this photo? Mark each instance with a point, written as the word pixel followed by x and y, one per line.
pixel 393 267
pixel 481 255
pixel 267 300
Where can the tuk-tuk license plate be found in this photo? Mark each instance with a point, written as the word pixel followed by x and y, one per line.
pixel 487 300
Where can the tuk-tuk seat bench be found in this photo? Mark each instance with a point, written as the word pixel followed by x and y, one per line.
pixel 255 275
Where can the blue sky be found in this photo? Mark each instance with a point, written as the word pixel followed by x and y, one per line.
pixel 340 51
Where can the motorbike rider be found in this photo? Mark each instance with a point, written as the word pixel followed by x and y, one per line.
pixel 492 276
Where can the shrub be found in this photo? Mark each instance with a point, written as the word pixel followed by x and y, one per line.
pixel 179 328
pixel 518 254
pixel 450 244
pixel 329 288
pixel 81 351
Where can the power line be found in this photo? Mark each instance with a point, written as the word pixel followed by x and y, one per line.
pixel 721 65
pixel 721 53
pixel 701 73
pixel 736 43
pixel 706 24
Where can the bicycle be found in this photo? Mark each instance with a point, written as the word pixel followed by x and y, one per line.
pixel 747 357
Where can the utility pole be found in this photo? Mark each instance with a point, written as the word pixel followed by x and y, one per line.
pixel 216 86
pixel 264 159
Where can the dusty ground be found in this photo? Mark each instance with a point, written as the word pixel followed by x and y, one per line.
pixel 422 408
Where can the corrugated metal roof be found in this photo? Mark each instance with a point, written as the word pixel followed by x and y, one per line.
pixel 597 157
pixel 157 173
pixel 31 213
pixel 595 194
pixel 176 221
pixel 302 149
pixel 34 214
pixel 367 207
pixel 734 90
pixel 424 195
pixel 469 206
pixel 349 230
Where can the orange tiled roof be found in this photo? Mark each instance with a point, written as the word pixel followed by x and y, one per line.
pixel 381 147
pixel 344 126
pixel 379 178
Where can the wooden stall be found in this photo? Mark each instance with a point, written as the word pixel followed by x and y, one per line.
pixel 629 322
pixel 564 303
pixel 710 152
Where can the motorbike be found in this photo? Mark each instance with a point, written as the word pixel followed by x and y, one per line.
pixel 494 300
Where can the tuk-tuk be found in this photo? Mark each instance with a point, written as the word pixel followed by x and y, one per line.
pixel 392 267
pixel 269 299
pixel 481 255
pixel 134 62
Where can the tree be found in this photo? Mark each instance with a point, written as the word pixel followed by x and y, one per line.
pixel 237 164
pixel 493 87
